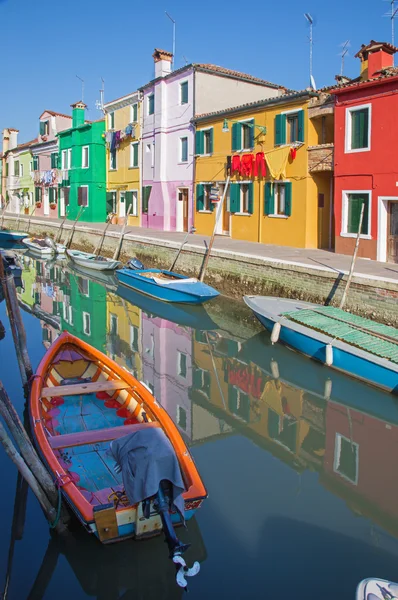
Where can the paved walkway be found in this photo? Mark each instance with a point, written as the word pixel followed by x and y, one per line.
pixel 312 259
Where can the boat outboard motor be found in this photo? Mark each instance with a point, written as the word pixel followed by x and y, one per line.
pixel 134 264
pixel 50 243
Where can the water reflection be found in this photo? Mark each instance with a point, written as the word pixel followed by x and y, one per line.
pixel 279 416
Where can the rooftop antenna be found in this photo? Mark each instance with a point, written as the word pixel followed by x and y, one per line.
pixel 100 103
pixel 392 15
pixel 311 23
pixel 82 80
pixel 174 39
pixel 345 45
pixel 185 59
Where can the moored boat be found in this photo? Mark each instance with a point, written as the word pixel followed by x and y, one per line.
pixel 81 403
pixel 377 589
pixel 11 236
pixel 43 247
pixel 354 345
pixel 92 261
pixel 167 285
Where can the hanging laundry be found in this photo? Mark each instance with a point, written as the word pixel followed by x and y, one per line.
pixel 229 164
pixel 108 138
pixel 117 139
pixel 259 165
pixel 247 165
pixel 129 129
pixel 277 161
pixel 293 152
pixel 113 141
pixel 236 164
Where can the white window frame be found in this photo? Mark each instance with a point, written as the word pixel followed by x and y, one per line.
pixel 86 331
pixel 110 160
pixel 275 215
pixel 70 315
pixel 21 169
pixel 241 211
pixel 348 128
pixel 181 84
pixel 153 154
pixel 178 415
pixel 179 354
pixel 243 148
pixel 344 215
pixel 69 158
pixel 30 166
pixel 180 158
pixel 110 126
pixel 134 210
pixel 88 157
pixel 88 202
pixel 132 113
pixel 205 129
pixel 151 95
pixel 64 159
pixel 113 318
pixel 132 166
pixel 133 331
pixel 337 454
pixel 87 295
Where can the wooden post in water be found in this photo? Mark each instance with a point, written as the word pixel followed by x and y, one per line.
pixel 46 571
pixel 58 236
pixel 98 247
pixel 354 257
pixel 119 246
pixel 206 260
pixel 69 242
pixel 3 213
pixel 30 217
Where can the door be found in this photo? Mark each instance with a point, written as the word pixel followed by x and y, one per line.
pixel 62 204
pixel 182 210
pixel 223 218
pixel 392 232
pixel 46 202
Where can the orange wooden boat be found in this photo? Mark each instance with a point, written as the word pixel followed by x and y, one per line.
pixel 80 401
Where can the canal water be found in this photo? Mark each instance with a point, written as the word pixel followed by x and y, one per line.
pixel 300 463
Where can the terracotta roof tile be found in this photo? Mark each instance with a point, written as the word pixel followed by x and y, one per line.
pixel 54 114
pixel 373 45
pixel 230 73
pixel 387 73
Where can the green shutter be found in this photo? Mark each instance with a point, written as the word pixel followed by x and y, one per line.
pixel 251 194
pixel 184 92
pixel 129 200
pixel 300 117
pixel 200 199
pixel 109 202
pixel 354 212
pixel 236 137
pixel 135 113
pixel 359 128
pixel 199 142
pixel 35 163
pixel 135 155
pixel 234 198
pixel 51 195
pixel 211 137
pixel 251 133
pixel 268 198
pixel 146 192
pixel 54 160
pixel 37 194
pixel 42 128
pixel 16 168
pixel 288 199
pixel 280 130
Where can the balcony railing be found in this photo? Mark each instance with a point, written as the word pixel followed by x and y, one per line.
pixel 321 158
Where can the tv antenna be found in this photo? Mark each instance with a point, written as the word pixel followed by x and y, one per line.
pixel 100 103
pixel 174 39
pixel 392 15
pixel 311 24
pixel 345 45
pixel 185 59
pixel 82 80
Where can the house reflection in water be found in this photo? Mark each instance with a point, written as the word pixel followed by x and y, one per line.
pixel 124 336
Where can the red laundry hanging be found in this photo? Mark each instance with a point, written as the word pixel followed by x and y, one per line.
pixel 293 152
pixel 247 165
pixel 236 164
pixel 259 164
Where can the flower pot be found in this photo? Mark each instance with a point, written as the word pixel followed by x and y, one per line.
pixel 53 206
pixel 38 204
pixel 26 210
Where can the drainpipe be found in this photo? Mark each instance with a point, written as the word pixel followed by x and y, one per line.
pixel 193 211
pixel 140 180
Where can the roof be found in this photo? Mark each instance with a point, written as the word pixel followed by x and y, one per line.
pixel 373 45
pixel 290 96
pixel 121 98
pixel 54 114
pixel 21 147
pixel 382 75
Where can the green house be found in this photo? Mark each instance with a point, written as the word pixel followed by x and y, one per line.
pixel 82 162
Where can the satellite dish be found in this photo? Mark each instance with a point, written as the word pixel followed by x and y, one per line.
pixel 313 84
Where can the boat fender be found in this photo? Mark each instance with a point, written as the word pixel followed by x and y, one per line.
pixel 329 355
pixel 328 389
pixel 274 369
pixel 275 333
pixel 134 264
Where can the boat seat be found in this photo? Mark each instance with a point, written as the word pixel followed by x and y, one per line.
pixel 69 440
pixel 85 388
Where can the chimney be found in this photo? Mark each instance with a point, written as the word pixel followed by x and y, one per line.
pixel 6 140
pixel 375 57
pixel 12 138
pixel 162 60
pixel 78 113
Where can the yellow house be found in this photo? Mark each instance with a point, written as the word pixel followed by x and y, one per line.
pixel 124 336
pixel 279 154
pixel 123 158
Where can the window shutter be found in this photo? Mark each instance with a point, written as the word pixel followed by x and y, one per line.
pixel 300 126
pixel 268 198
pixel 251 194
pixel 42 128
pixel 251 132
pixel 199 142
pixel 109 202
pixel 54 160
pixel 280 130
pixel 288 199
pixel 146 192
pixel 37 194
pixel 211 141
pixel 184 92
pixel 135 155
pixel 234 198
pixel 200 201
pixel 236 137
pixel 129 200
pixel 135 113
pixel 16 168
pixel 51 195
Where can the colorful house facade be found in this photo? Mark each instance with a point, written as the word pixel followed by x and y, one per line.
pixel 82 162
pixel 279 155
pixel 123 158
pixel 366 170
pixel 18 168
pixel 169 103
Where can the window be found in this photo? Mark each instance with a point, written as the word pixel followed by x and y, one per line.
pixel 16 168
pixel 112 324
pixel 44 128
pixel 153 154
pixel 31 166
pixel 70 315
pixel 346 458
pixel 38 194
pixel 21 170
pixel 134 337
pixel 35 163
pixel 289 127
pixel 69 158
pixel 241 198
pixel 112 161
pixel 201 380
pixel 181 417
pixel 82 195
pixel 282 429
pixel 111 202
pixel 243 135
pixel 53 195
pixel 111 120
pixel 132 200
pixel 184 149
pixel 134 113
pixel 84 286
pixel 203 202
pixel 358 125
pixel 7 169
pixel 146 192
pixel 151 348
pixel 85 161
pixel 134 154
pixel 86 323
pixel 66 159
pixel 182 364
pixel 54 160
pixel 184 92
pixel 204 141
pixel 149 386
pixel 151 104
pixel 278 199
pixel 352 205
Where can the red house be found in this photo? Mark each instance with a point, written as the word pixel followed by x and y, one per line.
pixel 366 164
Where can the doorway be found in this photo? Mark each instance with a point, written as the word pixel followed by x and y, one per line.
pixel 223 219
pixel 182 209
pixel 46 202
pixel 64 202
pixel 392 232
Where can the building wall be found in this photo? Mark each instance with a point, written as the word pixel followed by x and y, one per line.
pixel 375 170
pixel 119 345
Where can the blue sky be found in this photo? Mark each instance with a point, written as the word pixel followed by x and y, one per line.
pixel 45 44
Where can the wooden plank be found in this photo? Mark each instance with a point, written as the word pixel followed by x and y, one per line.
pixel 94 436
pixel 85 388
pixel 106 522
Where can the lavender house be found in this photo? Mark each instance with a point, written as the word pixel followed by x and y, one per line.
pixel 170 101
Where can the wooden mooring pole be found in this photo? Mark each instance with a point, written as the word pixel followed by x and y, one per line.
pixel 98 247
pixel 354 257
pixel 219 213
pixel 69 242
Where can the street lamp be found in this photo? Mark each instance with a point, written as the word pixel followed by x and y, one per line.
pixel 225 128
